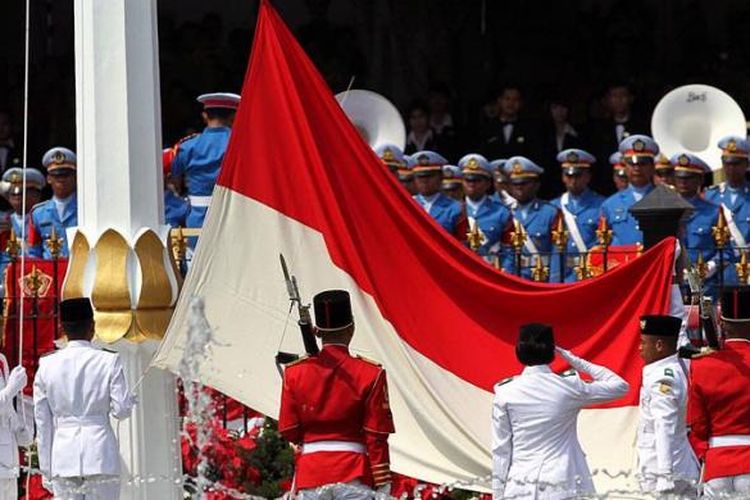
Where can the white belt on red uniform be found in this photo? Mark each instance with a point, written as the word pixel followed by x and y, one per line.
pixel 729 440
pixel 317 446
pixel 199 201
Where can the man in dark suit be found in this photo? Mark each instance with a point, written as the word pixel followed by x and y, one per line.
pixel 510 135
pixel 608 133
pixel 557 134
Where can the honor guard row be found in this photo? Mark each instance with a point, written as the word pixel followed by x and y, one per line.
pixel 560 235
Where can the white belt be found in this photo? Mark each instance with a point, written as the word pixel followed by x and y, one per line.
pixel 199 201
pixel 729 440
pixel 83 420
pixel 333 446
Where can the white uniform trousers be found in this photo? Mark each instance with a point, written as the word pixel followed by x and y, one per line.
pixel 353 490
pixel 8 488
pixel 728 487
pixel 96 487
pixel 682 489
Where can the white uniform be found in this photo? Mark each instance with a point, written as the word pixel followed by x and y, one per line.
pixel 13 433
pixel 535 448
pixel 76 390
pixel 666 461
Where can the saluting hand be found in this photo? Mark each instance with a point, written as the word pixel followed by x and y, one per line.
pixel 17 379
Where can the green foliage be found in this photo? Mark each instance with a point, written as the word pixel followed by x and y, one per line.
pixel 274 458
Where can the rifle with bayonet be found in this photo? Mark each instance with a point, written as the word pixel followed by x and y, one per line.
pixel 304 322
pixel 706 312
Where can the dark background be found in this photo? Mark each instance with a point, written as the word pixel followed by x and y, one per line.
pixel 401 48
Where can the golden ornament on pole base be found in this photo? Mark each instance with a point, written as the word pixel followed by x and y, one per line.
pixel 133 287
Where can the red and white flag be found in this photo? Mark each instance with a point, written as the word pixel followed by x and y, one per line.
pixel 297 179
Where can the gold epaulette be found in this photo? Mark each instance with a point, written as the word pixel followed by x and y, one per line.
pixel 368 360
pixel 297 361
pixel 504 381
pixel 189 136
pixel 568 373
pixel 107 350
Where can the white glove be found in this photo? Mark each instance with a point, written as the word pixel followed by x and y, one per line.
pixel 664 484
pixel 17 379
pixel 47 483
pixel 568 356
pixel 383 491
pixel 711 268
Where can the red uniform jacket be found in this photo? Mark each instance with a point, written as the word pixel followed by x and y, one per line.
pixel 719 405
pixel 337 397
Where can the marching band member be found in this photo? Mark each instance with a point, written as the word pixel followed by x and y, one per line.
pixel 689 172
pixel 580 207
pixel 428 179
pixel 733 196
pixel 60 212
pixel 199 158
pixel 663 171
pixel 638 152
pixel 501 184
pixel 489 218
pixel 535 216
pixel 453 186
pixel 619 171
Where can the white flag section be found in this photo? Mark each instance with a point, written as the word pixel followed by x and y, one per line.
pixel 442 422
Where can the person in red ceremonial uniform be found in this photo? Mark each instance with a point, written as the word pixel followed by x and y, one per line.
pixel 718 411
pixel 335 406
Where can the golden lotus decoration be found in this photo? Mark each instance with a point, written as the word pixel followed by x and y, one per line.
pixel 133 287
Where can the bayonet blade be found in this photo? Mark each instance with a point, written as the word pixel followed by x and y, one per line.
pixel 288 279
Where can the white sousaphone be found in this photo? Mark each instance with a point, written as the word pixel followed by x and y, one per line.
pixel 693 118
pixel 377 120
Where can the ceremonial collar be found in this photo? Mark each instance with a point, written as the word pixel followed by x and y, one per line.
pixel 474 205
pixel 532 370
pixel 78 343
pixel 669 360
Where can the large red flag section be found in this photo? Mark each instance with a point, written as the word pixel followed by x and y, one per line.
pixel 297 179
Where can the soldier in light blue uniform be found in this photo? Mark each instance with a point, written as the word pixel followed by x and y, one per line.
pixel 733 196
pixel 428 179
pixel 489 217
pixel 580 207
pixel 61 211
pixel 619 171
pixel 638 152
pixel 391 156
pixel 453 183
pixel 199 158
pixel 176 207
pixel 696 237
pixel 537 217
pixel 501 184
pixel 35 182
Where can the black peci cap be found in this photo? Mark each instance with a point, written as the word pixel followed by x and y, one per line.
pixel 78 309
pixel 333 310
pixel 661 326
